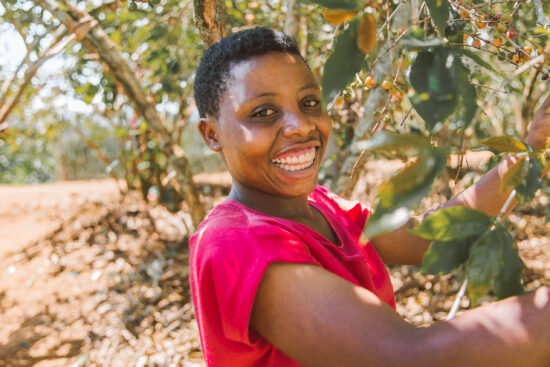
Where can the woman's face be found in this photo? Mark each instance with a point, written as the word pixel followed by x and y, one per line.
pixel 271 131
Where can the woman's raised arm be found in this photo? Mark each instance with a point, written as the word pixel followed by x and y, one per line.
pixel 320 319
pixel 401 247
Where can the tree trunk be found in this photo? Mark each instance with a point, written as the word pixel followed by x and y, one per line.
pixel 86 29
pixel 291 20
pixel 209 20
pixel 353 164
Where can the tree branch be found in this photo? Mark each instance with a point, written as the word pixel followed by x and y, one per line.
pixel 55 48
pixel 542 20
pixel 291 19
pixel 353 164
pixel 209 20
pixel 87 29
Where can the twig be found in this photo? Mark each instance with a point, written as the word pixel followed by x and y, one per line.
pixel 484 86
pixel 542 20
pixel 390 18
pixel 406 115
pixel 504 208
pixel 459 296
pixel 537 60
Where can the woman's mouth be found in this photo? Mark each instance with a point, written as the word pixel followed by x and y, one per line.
pixel 295 161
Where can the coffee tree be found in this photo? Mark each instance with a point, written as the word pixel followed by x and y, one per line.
pixel 471 71
pixel 443 59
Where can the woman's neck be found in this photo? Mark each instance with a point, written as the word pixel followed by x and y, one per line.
pixel 293 208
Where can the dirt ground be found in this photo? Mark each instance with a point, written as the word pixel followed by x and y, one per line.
pixel 90 277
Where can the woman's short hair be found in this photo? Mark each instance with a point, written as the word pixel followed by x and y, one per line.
pixel 212 74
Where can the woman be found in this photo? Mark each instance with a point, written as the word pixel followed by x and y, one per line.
pixel 279 274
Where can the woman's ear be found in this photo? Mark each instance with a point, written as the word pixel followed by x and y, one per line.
pixel 207 129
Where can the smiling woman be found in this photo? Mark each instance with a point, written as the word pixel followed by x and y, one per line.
pixel 280 274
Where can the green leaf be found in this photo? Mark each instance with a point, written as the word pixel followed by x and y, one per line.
pixel 411 144
pixel 453 223
pixel 340 4
pixel 505 144
pixel 403 192
pixel 433 78
pixel 515 175
pixel 342 65
pixel 454 31
pixel 468 94
pixel 439 11
pixel 508 282
pixel 484 262
pixel 477 59
pixel 443 257
pixel 533 181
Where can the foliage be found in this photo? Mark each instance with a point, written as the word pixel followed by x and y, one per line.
pixel 456 49
pixel 418 87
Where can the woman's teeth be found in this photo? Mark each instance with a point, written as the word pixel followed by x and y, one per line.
pixel 295 167
pixel 297 162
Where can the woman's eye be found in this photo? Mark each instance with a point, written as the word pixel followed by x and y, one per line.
pixel 311 103
pixel 264 113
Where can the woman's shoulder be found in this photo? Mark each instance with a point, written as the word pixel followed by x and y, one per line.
pixel 339 206
pixel 235 223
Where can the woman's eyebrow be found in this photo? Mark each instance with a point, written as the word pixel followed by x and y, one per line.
pixel 310 86
pixel 271 94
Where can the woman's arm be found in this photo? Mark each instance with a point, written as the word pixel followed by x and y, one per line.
pixel 401 247
pixel 320 319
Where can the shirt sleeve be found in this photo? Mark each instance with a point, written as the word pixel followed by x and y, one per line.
pixel 353 209
pixel 230 265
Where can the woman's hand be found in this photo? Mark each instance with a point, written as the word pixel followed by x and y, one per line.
pixel 539 131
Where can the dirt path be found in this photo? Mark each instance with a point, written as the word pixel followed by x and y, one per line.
pixel 88 278
pixel 28 213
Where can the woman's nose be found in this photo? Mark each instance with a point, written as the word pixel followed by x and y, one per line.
pixel 297 124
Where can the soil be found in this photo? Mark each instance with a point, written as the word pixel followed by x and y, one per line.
pixel 91 277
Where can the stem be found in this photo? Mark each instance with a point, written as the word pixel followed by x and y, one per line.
pixel 459 296
pixel 542 20
pixel 499 217
pixel 506 205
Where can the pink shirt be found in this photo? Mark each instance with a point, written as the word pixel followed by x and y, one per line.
pixel 231 250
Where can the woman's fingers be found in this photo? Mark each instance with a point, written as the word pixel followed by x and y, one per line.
pixel 545 107
pixel 539 131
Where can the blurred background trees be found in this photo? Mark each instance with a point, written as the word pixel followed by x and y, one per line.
pixel 104 88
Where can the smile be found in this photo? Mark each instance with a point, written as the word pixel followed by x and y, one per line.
pixel 296 161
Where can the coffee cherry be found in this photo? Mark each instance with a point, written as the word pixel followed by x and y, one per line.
pixel 386 84
pixel 396 96
pixel 501 28
pixel 370 82
pixel 497 42
pixel 528 49
pixel 481 25
pixel 476 43
pixel 512 33
pixel 516 58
